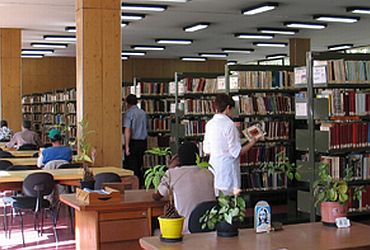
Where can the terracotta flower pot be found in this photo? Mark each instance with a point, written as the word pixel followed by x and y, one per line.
pixel 332 210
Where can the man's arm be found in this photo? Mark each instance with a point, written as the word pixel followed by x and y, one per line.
pixel 127 140
pixel 12 142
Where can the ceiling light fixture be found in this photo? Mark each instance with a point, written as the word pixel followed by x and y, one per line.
pixel 231 63
pixel 37 51
pixel 359 10
pixel 253 36
pixel 240 51
pixel 194 59
pixel 276 56
pixel 143 7
pixel 124 24
pixel 32 56
pixel 50 45
pixel 213 54
pixel 336 19
pixel 174 41
pixel 259 8
pixel 133 53
pixel 305 25
pixel 196 27
pixel 278 31
pixel 263 44
pixel 71 29
pixel 60 38
pixel 340 47
pixel 147 47
pixel 131 17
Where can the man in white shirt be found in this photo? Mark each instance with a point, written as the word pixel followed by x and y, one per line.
pixel 222 143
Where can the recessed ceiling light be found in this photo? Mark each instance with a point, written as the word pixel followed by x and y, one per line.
pixel 253 36
pixel 124 57
pixel 259 8
pixel 196 27
pixel 263 44
pixel 50 45
pixel 143 7
pixel 32 56
pixel 195 59
pixel 124 24
pixel 240 51
pixel 133 53
pixel 60 38
pixel 71 29
pixel 337 19
pixel 305 25
pixel 37 51
pixel 276 56
pixel 278 31
pixel 359 10
pixel 147 47
pixel 213 54
pixel 231 62
pixel 340 47
pixel 174 41
pixel 131 17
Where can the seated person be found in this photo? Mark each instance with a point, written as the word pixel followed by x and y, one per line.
pixel 5 132
pixel 56 152
pixel 26 136
pixel 191 185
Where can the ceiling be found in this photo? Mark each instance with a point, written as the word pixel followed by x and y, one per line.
pixel 49 17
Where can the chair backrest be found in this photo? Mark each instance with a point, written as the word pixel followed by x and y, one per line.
pixel 5 154
pixel 194 224
pixel 105 177
pixel 21 167
pixel 54 164
pixel 35 154
pixel 70 165
pixel 4 164
pixel 28 147
pixel 42 182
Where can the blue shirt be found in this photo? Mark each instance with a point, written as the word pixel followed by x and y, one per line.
pixel 136 120
pixel 56 153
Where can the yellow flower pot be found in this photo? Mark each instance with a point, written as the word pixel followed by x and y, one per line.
pixel 171 228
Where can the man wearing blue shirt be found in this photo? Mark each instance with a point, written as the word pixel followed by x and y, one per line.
pixel 135 125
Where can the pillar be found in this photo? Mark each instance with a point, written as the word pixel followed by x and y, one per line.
pixel 297 50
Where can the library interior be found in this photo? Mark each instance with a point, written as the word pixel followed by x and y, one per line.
pixel 184 124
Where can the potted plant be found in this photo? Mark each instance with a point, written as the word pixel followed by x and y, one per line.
pixel 225 215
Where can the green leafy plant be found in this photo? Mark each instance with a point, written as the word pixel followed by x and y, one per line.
pixel 282 165
pixel 202 164
pixel 230 209
pixel 154 174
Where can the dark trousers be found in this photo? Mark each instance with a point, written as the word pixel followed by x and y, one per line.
pixel 134 161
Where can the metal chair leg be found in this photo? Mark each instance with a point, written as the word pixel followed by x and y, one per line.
pixel 6 221
pixel 42 221
pixel 71 220
pixel 54 221
pixel 22 229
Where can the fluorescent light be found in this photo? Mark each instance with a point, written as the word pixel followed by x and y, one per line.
pixel 124 24
pixel 71 29
pixel 278 31
pixel 37 51
pixel 131 17
pixel 340 47
pixel 305 25
pixel 124 57
pixel 262 44
pixel 359 10
pixel 133 53
pixel 231 62
pixel 147 47
pixel 253 36
pixel 32 56
pixel 196 27
pixel 259 8
pixel 213 54
pixel 195 59
pixel 276 56
pixel 174 41
pixel 142 7
pixel 50 45
pixel 240 51
pixel 60 38
pixel 337 19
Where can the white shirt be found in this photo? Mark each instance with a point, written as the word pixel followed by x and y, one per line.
pixel 222 142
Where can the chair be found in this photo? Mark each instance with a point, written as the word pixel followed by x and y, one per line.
pixel 194 224
pixel 54 164
pixel 35 187
pixel 35 154
pixel 26 147
pixel 5 154
pixel 4 164
pixel 105 177
pixel 21 167
pixel 70 165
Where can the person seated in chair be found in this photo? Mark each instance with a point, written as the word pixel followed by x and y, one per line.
pixel 191 185
pixel 5 132
pixel 56 152
pixel 26 136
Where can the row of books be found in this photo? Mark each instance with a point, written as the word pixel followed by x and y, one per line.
pixel 34 118
pixel 275 130
pixel 31 109
pixel 159 124
pixel 194 127
pixel 199 106
pixel 158 141
pixel 347 135
pixel 156 106
pixel 258 155
pixel 153 88
pixel 262 80
pixel 31 99
pixel 258 180
pixel 265 104
pixel 199 85
pixel 59 96
pixel 153 160
pixel 363 204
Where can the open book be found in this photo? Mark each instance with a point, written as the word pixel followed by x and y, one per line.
pixel 254 131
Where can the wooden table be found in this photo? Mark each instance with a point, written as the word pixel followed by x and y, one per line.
pixel 31 161
pixel 308 236
pixel 22 153
pixel 117 225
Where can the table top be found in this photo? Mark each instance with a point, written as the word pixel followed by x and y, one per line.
pixel 60 174
pixel 298 236
pixel 22 153
pixel 31 161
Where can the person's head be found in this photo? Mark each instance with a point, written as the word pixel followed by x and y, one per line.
pixel 26 124
pixel 3 123
pixel 55 136
pixel 187 153
pixel 224 104
pixel 131 100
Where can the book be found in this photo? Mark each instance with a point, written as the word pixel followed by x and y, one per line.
pixel 254 132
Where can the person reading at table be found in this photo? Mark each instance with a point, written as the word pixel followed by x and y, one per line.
pixel 56 152
pixel 191 185
pixel 26 136
pixel 5 132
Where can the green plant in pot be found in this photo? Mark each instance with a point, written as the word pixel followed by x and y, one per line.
pixel 225 216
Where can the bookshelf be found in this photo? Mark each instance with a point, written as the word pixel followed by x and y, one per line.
pixel 334 102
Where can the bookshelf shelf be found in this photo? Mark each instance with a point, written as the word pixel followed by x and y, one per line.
pixel 343 86
pixel 251 91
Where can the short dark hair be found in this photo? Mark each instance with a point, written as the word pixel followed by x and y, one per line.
pixel 222 101
pixel 131 99
pixel 187 153
pixel 3 123
pixel 27 124
pixel 56 138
